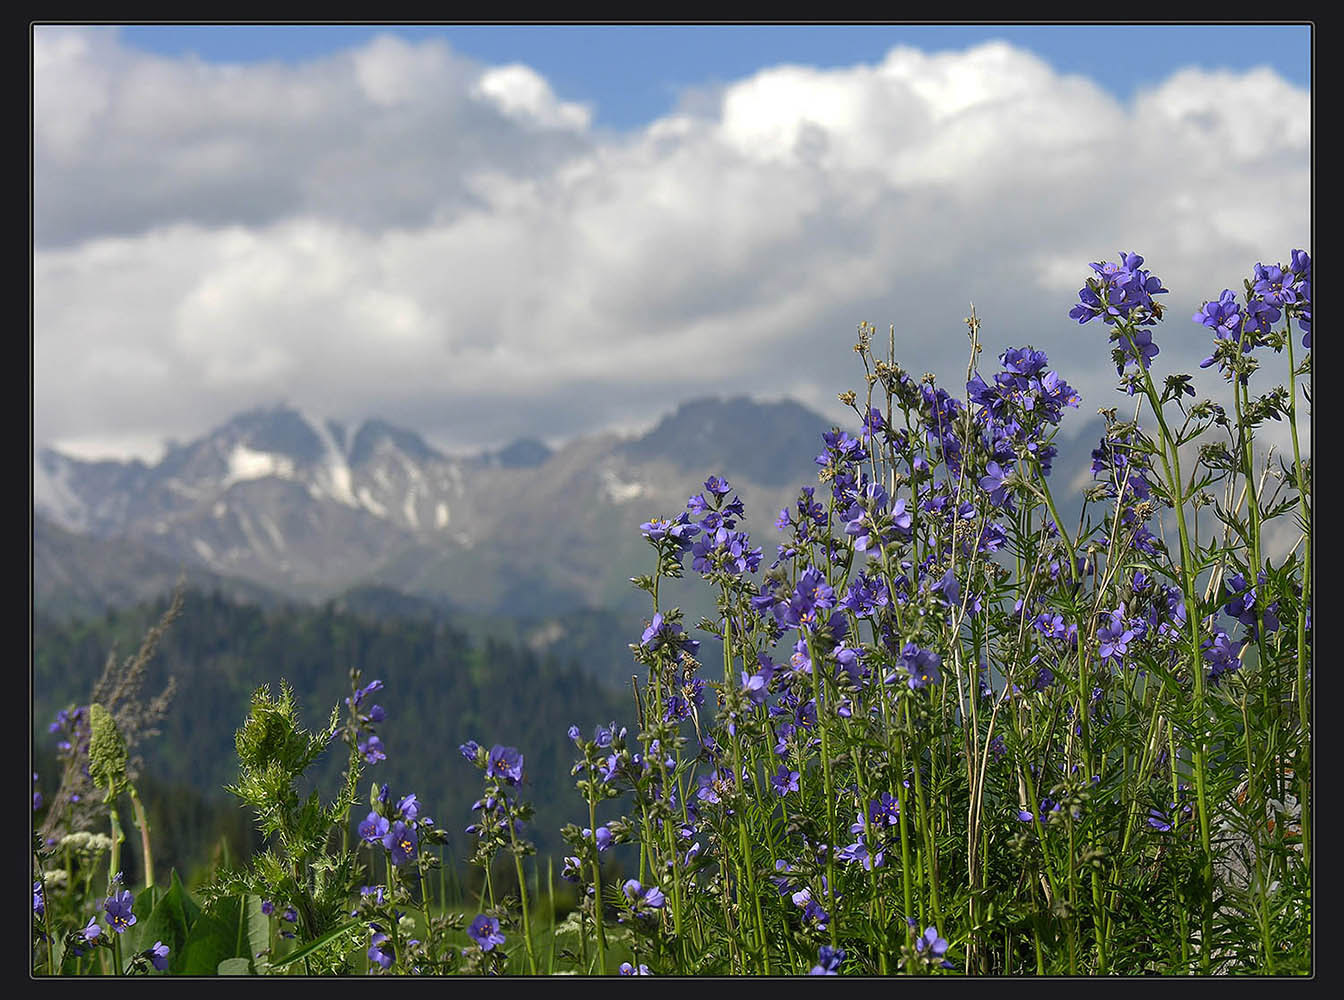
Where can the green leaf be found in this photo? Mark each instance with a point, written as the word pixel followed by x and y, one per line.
pixel 68 962
pixel 57 955
pixel 234 967
pixel 210 942
pixel 190 908
pixel 134 938
pixel 312 946
pixel 249 927
pixel 257 927
pixel 171 921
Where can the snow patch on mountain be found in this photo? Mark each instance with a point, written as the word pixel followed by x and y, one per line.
pixel 335 467
pixel 274 532
pixel 253 541
pixel 370 504
pixel 53 495
pixel 244 464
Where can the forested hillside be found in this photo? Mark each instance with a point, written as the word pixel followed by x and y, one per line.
pixel 441 689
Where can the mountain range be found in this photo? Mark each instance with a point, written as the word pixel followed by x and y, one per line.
pixel 275 505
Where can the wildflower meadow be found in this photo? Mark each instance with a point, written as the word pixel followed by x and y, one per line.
pixel 936 730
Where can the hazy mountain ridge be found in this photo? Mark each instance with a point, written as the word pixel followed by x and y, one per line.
pixel 274 502
pixel 277 500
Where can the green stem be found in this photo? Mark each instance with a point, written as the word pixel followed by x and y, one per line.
pixel 522 894
pixel 142 822
pixel 597 884
pixel 1302 764
pixel 1172 469
pixel 118 837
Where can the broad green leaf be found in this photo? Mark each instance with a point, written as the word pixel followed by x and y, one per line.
pixel 234 967
pixel 210 942
pixel 134 938
pixel 170 922
pixel 57 951
pixel 251 929
pixel 256 927
pixel 190 908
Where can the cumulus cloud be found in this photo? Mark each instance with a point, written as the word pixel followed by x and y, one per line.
pixel 396 230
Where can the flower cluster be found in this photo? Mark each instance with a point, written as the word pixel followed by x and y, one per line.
pixel 398 828
pixel 359 731
pixel 1120 292
pixel 1273 292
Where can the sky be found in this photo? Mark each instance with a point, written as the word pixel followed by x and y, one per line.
pixel 485 232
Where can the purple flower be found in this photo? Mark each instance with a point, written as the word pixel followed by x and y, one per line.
pixel 858 851
pixel 1223 317
pixel 660 633
pixel 401 840
pixel 992 482
pixel 717 486
pixel 756 686
pixel 922 666
pixel 572 869
pixel 469 749
pixel 680 530
pixel 930 942
pixel 828 961
pixel 409 808
pixel 380 951
pixel 785 781
pixel 1142 350
pixel 1120 291
pixel 485 932
pixel 359 695
pixel 372 749
pixel 506 763
pixel 1114 636
pixel 373 829
pixel 643 901
pixel 1274 284
pixel 91 931
pixel 815 915
pixel 118 910
pixel 158 955
pixel 376 891
pixel 291 915
pixel 885 810
pixel 267 907
pixel 629 970
pixel 604 838
pixel 1221 655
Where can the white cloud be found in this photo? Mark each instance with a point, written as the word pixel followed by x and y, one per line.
pixel 398 231
pixel 521 93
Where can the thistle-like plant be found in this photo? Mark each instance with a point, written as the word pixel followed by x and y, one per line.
pixel 301 864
